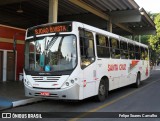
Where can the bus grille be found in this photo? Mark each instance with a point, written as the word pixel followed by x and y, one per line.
pixel 46 88
pixel 46 79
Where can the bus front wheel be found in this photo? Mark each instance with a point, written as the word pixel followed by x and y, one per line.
pixel 102 91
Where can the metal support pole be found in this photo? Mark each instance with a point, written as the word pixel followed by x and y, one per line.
pixel 53 11
pixel 140 38
pixel 133 37
pixel 109 26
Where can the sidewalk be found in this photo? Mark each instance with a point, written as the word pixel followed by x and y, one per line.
pixel 12 95
pixel 156 67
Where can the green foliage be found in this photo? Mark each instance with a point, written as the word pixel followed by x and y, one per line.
pixel 154 40
pixel 144 39
pixel 157 22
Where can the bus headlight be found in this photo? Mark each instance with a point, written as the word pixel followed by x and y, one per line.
pixel 69 83
pixel 27 83
pixel 72 81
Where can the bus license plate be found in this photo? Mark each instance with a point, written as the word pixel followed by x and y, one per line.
pixel 45 93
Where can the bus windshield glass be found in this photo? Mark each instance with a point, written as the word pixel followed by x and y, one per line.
pixel 51 53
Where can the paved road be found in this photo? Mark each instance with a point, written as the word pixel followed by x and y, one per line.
pixel 127 99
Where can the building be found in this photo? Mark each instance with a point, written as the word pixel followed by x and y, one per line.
pixel 11 64
pixel 125 18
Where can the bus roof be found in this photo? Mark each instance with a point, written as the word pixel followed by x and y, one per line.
pixel 89 27
pixel 103 32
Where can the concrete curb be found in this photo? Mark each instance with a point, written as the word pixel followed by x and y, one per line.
pixel 5 103
pixel 156 68
pixel 25 101
pixel 19 103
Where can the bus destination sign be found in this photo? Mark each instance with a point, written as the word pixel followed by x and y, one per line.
pixel 51 29
pixel 55 28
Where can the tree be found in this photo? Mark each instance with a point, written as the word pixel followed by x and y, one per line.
pixel 144 39
pixel 154 41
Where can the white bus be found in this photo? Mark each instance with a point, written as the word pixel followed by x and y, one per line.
pixel 72 60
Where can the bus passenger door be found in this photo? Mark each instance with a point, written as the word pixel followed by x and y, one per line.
pixel 89 82
pixel 88 65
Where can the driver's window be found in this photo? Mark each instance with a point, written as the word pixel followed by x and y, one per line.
pixel 86 48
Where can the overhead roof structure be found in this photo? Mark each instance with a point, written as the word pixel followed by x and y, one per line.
pixel 126 15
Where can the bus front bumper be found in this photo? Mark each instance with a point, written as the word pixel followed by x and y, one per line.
pixel 71 93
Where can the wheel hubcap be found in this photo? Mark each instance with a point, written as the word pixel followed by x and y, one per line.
pixel 102 90
pixel 138 81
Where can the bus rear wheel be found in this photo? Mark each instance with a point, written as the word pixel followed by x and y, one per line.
pixel 102 91
pixel 138 80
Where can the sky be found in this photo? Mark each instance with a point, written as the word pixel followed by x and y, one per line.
pixel 152 6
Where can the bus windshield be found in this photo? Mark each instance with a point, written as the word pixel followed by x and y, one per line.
pixel 51 53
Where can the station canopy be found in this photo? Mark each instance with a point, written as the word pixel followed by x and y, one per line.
pixel 126 16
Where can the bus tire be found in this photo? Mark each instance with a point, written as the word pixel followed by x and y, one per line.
pixel 102 91
pixel 138 80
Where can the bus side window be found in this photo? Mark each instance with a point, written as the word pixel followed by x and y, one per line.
pixel 115 51
pixel 131 48
pixel 87 54
pixel 142 54
pixel 146 54
pixel 137 52
pixel 124 50
pixel 102 46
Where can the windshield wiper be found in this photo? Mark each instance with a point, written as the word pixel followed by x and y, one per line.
pixel 51 43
